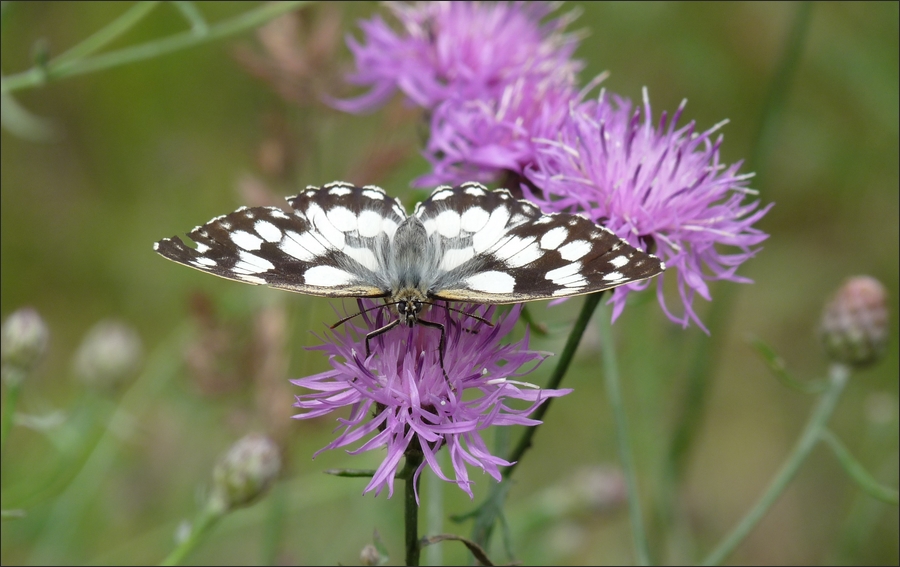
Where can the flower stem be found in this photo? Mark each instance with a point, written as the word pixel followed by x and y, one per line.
pixel 706 355
pixel 111 31
pixel 813 432
pixel 773 108
pixel 13 387
pixel 587 310
pixel 66 515
pixel 207 518
pixel 274 525
pixel 613 390
pixel 434 512
pixel 68 67
pixel 411 509
pixel 492 508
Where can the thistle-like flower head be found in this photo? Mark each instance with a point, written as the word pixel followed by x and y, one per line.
pixel 485 139
pixel 660 187
pixel 457 50
pixel 401 400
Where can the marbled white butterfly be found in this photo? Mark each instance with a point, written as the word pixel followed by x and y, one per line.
pixel 463 243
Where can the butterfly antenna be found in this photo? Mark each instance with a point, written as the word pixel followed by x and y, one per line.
pixel 358 313
pixel 460 311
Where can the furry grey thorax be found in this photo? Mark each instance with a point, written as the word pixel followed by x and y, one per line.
pixel 408 268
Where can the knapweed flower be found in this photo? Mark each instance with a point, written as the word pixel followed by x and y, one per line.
pixel 457 50
pixel 400 398
pixel 109 354
pixel 483 139
pixel 657 187
pixel 245 473
pixel 23 343
pixel 854 327
pixel 491 76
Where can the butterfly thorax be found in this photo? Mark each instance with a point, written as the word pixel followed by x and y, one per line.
pixel 409 271
pixel 408 268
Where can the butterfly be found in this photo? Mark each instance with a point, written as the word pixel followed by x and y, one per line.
pixel 463 243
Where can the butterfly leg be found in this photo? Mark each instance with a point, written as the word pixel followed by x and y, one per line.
pixel 434 325
pixel 378 332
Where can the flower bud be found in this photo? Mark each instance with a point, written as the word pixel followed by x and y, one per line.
pixel 24 342
pixel 854 327
pixel 245 472
pixel 109 353
pixel 369 555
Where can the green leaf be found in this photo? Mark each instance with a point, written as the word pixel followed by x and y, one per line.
pixel 778 368
pixel 351 473
pixel 857 472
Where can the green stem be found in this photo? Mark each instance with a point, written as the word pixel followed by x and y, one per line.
pixel 434 512
pixel 411 509
pixel 66 515
pixel 274 524
pixel 587 310
pixel 193 16
pixel 858 473
pixel 706 355
pixel 110 32
pixel 614 391
pixel 491 510
pixel 13 387
pixel 206 520
pixel 773 107
pixel 55 69
pixel 813 432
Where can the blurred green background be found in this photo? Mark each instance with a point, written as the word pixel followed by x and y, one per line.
pixel 152 149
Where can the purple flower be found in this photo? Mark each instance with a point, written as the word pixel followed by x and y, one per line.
pixel 481 139
pixel 459 50
pixel 400 399
pixel 492 77
pixel 657 187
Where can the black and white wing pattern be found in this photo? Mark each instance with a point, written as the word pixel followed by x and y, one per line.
pixel 495 249
pixel 463 243
pixel 335 243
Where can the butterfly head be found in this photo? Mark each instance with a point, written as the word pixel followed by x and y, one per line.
pixel 409 304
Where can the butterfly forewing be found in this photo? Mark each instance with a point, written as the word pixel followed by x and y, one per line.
pixel 496 249
pixel 334 244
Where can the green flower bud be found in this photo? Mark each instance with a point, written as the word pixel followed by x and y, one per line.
pixel 854 327
pixel 24 342
pixel 245 472
pixel 109 353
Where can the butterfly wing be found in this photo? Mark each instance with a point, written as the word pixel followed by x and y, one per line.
pixel 333 244
pixel 497 249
